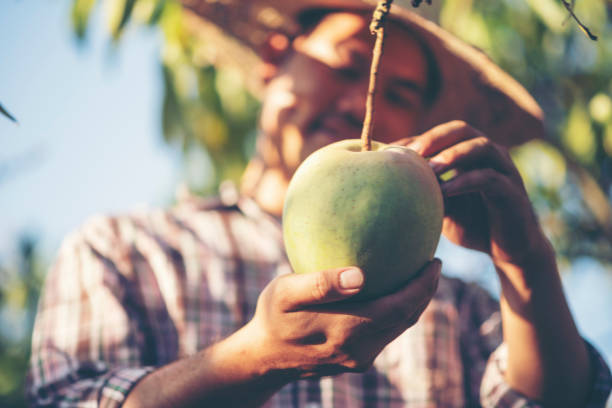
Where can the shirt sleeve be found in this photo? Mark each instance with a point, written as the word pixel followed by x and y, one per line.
pixel 495 392
pixel 87 339
pixel 484 355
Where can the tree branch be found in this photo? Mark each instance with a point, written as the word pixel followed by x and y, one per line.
pixel 570 8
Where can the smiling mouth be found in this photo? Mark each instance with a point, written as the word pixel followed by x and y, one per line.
pixel 338 125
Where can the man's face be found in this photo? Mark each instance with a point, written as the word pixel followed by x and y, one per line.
pixel 318 94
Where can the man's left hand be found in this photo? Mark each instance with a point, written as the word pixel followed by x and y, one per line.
pixel 486 205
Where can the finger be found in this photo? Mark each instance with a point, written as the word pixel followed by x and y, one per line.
pixel 405 141
pixel 443 136
pixel 422 287
pixel 488 181
pixel 402 305
pixel 472 153
pixel 297 291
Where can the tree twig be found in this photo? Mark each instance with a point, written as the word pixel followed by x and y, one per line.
pixel 570 8
pixel 7 114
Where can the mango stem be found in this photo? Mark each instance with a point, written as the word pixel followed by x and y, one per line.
pixel 377 27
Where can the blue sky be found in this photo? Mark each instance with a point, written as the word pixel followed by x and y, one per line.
pixel 89 135
pixel 89 141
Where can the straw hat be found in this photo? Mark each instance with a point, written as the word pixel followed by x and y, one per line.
pixel 473 88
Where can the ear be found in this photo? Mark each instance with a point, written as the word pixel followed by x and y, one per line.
pixel 273 51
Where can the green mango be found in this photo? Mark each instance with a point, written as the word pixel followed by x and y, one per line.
pixel 381 210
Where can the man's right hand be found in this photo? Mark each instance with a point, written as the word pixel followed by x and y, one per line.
pixel 301 328
pixel 305 330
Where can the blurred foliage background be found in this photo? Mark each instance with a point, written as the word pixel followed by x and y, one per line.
pixel 211 111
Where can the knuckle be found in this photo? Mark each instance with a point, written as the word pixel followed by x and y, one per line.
pixel 484 142
pixel 458 123
pixel 404 141
pixel 335 343
pixel 484 147
pixel 339 338
pixel 321 287
pixel 446 156
pixel 265 294
pixel 275 292
pixel 491 148
pixel 331 352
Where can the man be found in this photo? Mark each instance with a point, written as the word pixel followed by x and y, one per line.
pixel 192 306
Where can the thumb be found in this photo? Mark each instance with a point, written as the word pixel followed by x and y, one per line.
pixel 332 285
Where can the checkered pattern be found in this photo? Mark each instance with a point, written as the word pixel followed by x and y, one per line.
pixel 496 393
pixel 131 293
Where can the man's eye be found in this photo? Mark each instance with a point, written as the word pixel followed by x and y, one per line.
pixel 400 98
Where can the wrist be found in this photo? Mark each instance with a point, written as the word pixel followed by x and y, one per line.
pixel 534 272
pixel 230 373
pixel 259 358
pixel 538 259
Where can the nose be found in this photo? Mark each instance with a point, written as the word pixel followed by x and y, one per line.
pixel 351 100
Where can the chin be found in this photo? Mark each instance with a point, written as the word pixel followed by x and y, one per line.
pixel 321 138
pixel 310 146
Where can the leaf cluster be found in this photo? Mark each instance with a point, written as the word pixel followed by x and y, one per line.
pixel 19 290
pixel 568 176
pixel 208 108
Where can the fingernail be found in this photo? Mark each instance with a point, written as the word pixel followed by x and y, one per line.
pixel 435 166
pixel 351 279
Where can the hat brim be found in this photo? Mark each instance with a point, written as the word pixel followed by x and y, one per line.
pixel 472 89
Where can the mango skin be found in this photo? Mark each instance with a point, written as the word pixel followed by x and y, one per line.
pixel 381 210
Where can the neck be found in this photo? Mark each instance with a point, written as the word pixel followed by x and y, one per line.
pixel 266 186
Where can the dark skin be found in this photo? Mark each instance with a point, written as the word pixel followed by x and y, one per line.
pixel 487 182
pixel 301 328
pixel 545 350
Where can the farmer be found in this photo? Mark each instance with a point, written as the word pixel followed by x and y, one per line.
pixel 194 306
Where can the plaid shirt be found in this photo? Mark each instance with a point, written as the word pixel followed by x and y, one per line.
pixel 128 294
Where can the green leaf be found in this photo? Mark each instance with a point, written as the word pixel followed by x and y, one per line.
pixel 578 134
pixel 120 12
pixel 7 114
pixel 157 12
pixel 81 10
pixel 148 11
pixel 551 14
pixel 174 124
pixel 607 139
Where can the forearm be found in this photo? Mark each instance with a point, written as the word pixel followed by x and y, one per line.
pixel 231 373
pixel 547 358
